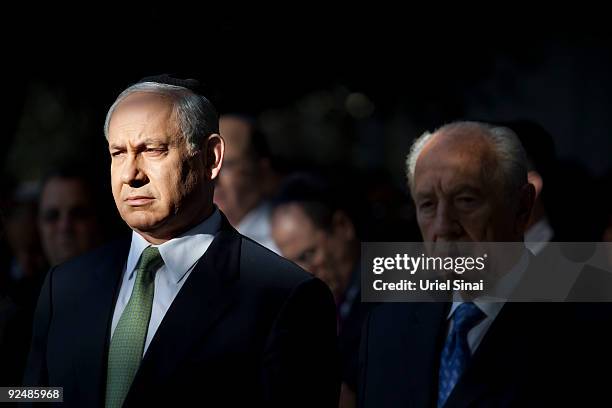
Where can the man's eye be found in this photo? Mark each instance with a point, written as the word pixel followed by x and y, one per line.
pixel 51 215
pixel 426 205
pixel 117 153
pixel 306 256
pixel 466 200
pixel 155 152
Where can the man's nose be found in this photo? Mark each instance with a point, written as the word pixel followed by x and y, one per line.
pixel 65 222
pixel 446 224
pixel 132 173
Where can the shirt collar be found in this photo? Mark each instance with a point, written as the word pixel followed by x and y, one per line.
pixel 181 253
pixel 538 236
pixel 490 309
pixel 254 219
pixel 491 306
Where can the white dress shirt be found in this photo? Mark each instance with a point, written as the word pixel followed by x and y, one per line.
pixel 492 306
pixel 538 236
pixel 180 255
pixel 256 225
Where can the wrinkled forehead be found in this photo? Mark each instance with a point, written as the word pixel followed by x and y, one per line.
pixel 452 159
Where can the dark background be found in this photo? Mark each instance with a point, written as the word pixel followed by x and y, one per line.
pixel 347 88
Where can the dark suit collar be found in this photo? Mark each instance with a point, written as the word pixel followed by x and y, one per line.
pixel 483 374
pixel 431 322
pixel 418 345
pixel 416 350
pixel 202 300
pixel 501 355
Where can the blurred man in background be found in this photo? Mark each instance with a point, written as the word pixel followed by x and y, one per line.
pixel 70 220
pixel 22 268
pixel 553 217
pixel 313 229
pixel 22 235
pixel 541 163
pixel 246 180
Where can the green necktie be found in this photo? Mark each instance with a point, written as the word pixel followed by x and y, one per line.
pixel 127 343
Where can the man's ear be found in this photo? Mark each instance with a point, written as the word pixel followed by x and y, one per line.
pixel 525 206
pixel 213 155
pixel 533 177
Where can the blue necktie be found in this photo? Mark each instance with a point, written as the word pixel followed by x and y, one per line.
pixel 456 352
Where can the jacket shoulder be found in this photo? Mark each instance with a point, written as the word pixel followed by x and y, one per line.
pixel 81 269
pixel 263 267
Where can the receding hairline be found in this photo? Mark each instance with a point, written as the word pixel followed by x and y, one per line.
pixel 187 103
pixel 169 99
pixel 448 137
pixel 459 136
pixel 507 157
pixel 476 144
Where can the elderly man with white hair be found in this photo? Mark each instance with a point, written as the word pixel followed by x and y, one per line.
pixel 469 184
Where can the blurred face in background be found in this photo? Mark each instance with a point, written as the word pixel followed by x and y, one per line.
pixel 67 219
pixel 328 255
pixel 23 237
pixel 239 187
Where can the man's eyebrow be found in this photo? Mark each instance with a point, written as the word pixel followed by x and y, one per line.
pixel 423 194
pixel 152 141
pixel 462 188
pixel 466 188
pixel 146 142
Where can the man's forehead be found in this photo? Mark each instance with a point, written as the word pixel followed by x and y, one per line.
pixel 59 189
pixel 293 211
pixel 450 180
pixel 458 141
pixel 66 183
pixel 236 132
pixel 144 101
pixel 142 110
pixel 455 159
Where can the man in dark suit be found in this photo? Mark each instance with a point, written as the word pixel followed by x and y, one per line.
pixel 469 183
pixel 188 311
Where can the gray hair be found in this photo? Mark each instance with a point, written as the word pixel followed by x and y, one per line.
pixel 197 117
pixel 512 159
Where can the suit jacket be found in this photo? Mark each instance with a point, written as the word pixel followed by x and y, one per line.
pixel 248 328
pixel 349 334
pixel 533 355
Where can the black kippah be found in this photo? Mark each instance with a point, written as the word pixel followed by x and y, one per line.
pixel 191 84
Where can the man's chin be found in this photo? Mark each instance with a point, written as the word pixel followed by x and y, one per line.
pixel 144 223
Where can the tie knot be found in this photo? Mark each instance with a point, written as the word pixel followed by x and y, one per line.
pixel 466 316
pixel 150 260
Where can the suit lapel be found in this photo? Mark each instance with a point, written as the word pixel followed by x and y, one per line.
pixel 502 346
pixel 431 318
pixel 202 300
pixel 416 351
pixel 94 322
